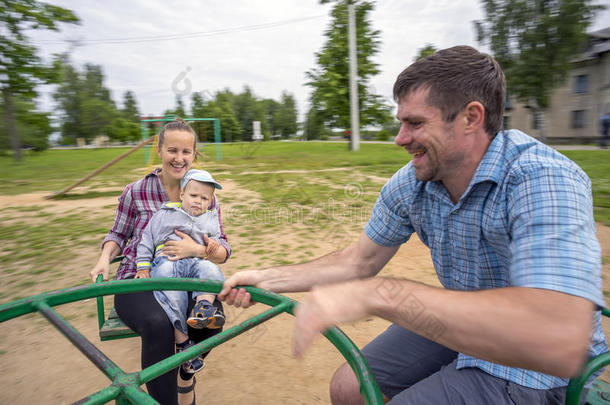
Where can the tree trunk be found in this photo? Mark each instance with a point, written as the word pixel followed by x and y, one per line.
pixel 9 119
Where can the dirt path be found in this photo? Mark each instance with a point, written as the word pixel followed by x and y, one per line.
pixel 39 366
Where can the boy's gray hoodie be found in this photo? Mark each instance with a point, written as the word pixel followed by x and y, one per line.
pixel 161 228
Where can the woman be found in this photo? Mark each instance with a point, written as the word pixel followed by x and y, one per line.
pixel 177 149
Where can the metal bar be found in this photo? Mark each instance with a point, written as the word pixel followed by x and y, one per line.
pixel 100 397
pixel 100 169
pixel 217 139
pixel 135 395
pixel 101 315
pixel 574 390
pixel 27 305
pixel 368 386
pixel 94 354
pixel 174 361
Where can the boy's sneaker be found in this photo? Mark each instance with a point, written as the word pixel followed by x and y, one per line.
pixel 190 366
pixel 206 315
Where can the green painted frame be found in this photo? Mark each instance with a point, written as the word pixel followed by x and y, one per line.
pixel 125 387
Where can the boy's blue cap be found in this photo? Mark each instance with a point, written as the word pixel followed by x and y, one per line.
pixel 198 175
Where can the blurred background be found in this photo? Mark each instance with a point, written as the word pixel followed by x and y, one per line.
pixel 84 73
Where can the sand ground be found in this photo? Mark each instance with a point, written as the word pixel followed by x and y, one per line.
pixel 39 366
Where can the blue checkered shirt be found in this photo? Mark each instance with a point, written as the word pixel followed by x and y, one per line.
pixel 526 219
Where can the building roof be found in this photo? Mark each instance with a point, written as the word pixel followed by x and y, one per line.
pixel 601 34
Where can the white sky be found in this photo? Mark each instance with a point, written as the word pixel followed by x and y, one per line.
pixel 266 44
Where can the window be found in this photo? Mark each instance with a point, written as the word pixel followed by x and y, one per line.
pixel 579 119
pixel 581 84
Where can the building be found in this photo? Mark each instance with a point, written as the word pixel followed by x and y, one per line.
pixel 576 107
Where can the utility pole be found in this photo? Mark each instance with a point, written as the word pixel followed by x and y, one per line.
pixel 353 78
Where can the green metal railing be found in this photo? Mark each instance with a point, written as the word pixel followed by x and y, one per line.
pixel 125 387
pixel 576 385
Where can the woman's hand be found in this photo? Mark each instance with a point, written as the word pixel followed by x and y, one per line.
pixel 110 250
pixel 102 267
pixel 179 249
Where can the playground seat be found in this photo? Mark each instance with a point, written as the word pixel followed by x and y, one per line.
pixel 112 328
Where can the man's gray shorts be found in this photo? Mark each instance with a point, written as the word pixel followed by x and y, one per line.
pixel 413 370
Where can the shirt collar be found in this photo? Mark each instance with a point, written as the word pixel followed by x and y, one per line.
pixel 491 167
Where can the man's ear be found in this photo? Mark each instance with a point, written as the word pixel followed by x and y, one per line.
pixel 474 116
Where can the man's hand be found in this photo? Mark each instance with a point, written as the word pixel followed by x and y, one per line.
pixel 143 274
pixel 239 297
pixel 179 249
pixel 327 306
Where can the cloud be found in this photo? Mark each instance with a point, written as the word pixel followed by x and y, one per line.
pixel 270 59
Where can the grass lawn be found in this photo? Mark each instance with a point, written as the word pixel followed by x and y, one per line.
pixel 250 163
pixel 304 189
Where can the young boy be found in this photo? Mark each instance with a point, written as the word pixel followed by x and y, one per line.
pixel 194 217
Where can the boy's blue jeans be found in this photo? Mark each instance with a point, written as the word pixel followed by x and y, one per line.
pixel 175 303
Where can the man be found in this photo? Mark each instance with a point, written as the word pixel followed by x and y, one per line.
pixel 604 124
pixel 510 228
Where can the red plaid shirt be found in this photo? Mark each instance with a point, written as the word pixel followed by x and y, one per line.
pixel 137 204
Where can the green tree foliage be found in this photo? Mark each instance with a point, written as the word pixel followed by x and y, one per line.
pixel 314 127
pixel 86 108
pixel 124 130
pixel 330 79
pixel 21 69
pixel 247 110
pixel 427 50
pixel 285 118
pixel 534 42
pixel 33 127
pixel 236 113
pixel 220 108
pixel 130 107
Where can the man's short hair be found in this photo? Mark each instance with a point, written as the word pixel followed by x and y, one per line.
pixel 455 77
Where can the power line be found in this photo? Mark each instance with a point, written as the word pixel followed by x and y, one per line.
pixel 200 34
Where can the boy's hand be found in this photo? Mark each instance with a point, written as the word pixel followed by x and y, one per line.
pixel 211 246
pixel 143 274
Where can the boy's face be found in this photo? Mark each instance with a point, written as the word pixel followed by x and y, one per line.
pixel 196 197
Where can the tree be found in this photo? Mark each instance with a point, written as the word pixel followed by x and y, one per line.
pixel 179 110
pixel 285 119
pixel 123 130
pixel 248 109
pixel 33 127
pixel 534 42
pixel 85 104
pixel 21 69
pixel 330 79
pixel 130 107
pixel 314 126
pixel 219 108
pixel 427 50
